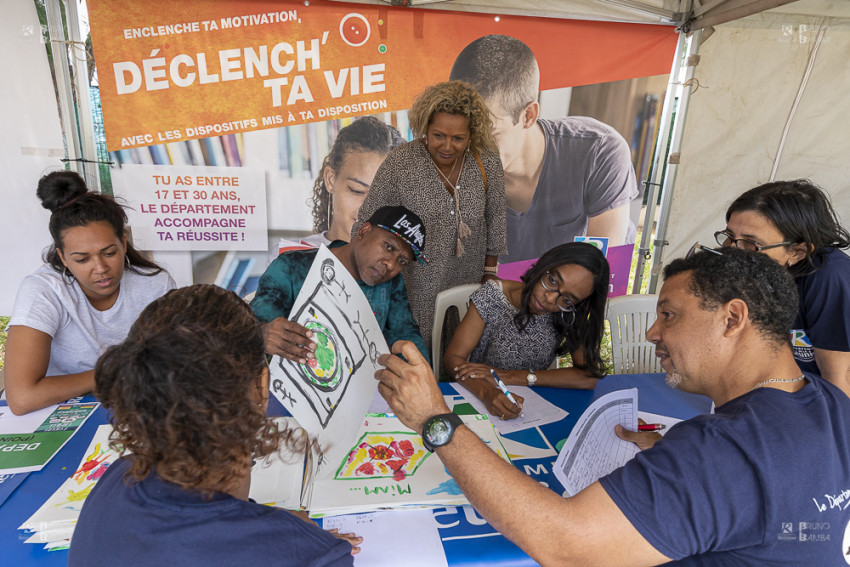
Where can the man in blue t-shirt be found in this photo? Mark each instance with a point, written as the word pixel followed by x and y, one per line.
pixel 763 481
pixel 392 237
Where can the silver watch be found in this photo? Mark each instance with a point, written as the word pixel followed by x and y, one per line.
pixel 531 378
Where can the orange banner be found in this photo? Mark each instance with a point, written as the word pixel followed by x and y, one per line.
pixel 171 71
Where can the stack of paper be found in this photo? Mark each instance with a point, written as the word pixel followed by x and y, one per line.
pixel 28 442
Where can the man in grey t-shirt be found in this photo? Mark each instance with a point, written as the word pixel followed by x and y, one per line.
pixel 563 178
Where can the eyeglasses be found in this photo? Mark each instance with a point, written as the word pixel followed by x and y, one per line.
pixel 697 247
pixel 724 238
pixel 550 283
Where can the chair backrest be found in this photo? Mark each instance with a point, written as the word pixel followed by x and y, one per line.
pixel 630 316
pixel 453 297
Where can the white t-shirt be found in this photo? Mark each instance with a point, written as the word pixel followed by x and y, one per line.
pixel 46 303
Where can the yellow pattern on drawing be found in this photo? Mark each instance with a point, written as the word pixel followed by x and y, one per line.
pixel 394 455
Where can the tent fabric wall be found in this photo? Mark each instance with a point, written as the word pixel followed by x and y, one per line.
pixel 749 74
pixel 31 145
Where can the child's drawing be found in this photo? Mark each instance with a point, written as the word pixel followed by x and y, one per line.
pixel 330 395
pixel 395 455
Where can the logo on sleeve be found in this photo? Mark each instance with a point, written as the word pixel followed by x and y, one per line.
pixel 802 346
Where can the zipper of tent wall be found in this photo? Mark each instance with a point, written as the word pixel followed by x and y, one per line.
pixel 665 161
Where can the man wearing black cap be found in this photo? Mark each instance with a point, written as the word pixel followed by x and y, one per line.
pixel 392 237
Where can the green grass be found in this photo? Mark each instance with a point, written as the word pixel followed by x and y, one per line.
pixel 3 322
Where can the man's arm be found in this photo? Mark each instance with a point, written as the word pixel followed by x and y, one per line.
pixel 613 224
pixel 584 530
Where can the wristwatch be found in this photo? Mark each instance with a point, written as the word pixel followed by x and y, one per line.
pixel 531 378
pixel 439 429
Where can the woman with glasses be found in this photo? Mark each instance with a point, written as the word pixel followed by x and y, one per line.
pixel 794 223
pixel 517 328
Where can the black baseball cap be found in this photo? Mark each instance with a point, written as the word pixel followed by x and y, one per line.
pixel 405 224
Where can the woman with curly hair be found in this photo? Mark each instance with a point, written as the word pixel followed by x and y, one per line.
pixel 517 328
pixel 187 392
pixel 452 177
pixel 91 288
pixel 346 176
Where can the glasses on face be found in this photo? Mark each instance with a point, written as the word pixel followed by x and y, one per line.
pixel 724 238
pixel 697 247
pixel 550 283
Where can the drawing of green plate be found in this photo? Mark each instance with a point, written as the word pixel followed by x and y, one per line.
pixel 325 371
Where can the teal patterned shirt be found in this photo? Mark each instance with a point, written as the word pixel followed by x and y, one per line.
pixel 280 283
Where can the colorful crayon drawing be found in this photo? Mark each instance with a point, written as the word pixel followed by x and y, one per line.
pixel 90 463
pixel 391 454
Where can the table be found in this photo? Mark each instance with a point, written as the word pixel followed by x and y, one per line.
pixel 467 539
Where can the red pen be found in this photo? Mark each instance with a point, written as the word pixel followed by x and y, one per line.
pixel 651 427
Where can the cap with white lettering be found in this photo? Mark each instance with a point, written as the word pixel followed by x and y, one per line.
pixel 405 224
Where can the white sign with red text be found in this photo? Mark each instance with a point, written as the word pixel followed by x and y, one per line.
pixel 194 208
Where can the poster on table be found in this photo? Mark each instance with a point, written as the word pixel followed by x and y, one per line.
pixel 194 208
pixel 269 84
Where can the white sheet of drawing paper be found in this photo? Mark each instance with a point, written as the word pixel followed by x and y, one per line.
pixel 662 419
pixel 403 537
pixel 276 479
pixel 593 449
pixel 330 397
pixel 535 410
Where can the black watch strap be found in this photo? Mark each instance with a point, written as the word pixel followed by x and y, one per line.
pixel 444 425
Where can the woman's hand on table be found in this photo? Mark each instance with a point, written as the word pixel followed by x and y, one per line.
pixel 498 404
pixel 473 370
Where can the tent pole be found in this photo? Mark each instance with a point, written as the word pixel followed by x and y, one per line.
pixel 658 159
pixel 81 85
pixel 62 75
pixel 673 162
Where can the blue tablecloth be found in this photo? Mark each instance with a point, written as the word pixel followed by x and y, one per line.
pixel 467 539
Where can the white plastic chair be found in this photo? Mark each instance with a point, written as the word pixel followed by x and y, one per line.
pixel 453 297
pixel 630 317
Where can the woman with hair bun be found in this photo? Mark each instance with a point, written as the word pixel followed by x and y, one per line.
pixel 84 298
pixel 187 393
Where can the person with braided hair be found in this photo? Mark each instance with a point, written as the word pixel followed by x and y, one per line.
pixel 84 298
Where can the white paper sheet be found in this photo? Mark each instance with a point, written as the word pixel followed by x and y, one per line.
pixel 535 410
pixel 408 537
pixel 662 419
pixel 593 449
pixel 330 396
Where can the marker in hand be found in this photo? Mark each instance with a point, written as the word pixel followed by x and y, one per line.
pixel 651 427
pixel 504 390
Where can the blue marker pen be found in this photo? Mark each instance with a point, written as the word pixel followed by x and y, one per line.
pixel 504 389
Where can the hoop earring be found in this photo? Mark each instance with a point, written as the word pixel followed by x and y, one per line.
pixel 67 276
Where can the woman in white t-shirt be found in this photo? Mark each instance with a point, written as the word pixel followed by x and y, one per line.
pixel 84 298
